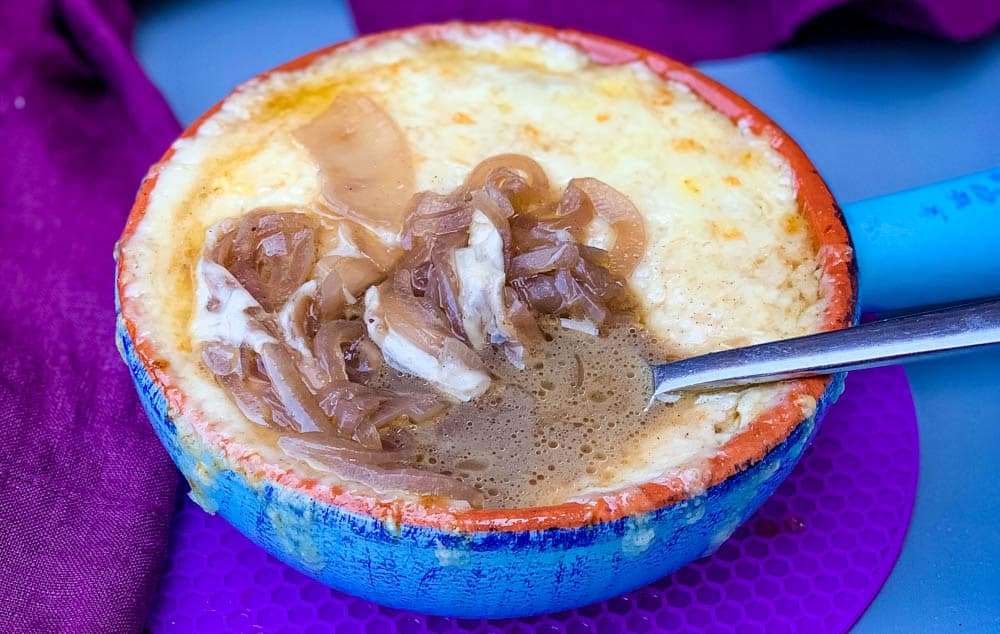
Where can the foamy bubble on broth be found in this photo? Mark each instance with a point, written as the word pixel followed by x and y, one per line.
pixel 566 422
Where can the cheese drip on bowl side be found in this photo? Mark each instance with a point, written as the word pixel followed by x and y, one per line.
pixel 729 259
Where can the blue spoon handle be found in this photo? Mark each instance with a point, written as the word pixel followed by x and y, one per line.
pixel 930 245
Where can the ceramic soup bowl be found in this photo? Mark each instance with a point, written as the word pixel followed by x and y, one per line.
pixel 498 562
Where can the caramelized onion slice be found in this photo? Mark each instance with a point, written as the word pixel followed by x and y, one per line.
pixel 528 233
pixel 351 262
pixel 248 394
pixel 442 288
pixel 244 384
pixel 519 177
pixel 625 220
pixel 296 317
pixel 270 253
pixel 434 215
pixel 415 338
pixel 329 343
pixel 304 414
pixel 345 280
pixel 527 336
pixel 320 447
pixel 360 410
pixel 364 162
pixel 437 226
pixel 561 221
pixel 363 359
pixel 561 295
pixel 331 294
pixel 591 270
pixel 418 407
pixel 382 477
pixel 561 255
pixel 349 239
pixel 520 316
pixel 353 407
pixel 344 352
pixel 222 359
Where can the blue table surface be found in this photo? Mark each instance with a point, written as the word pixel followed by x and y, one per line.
pixel 875 117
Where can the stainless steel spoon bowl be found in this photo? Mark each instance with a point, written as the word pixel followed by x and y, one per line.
pixel 878 343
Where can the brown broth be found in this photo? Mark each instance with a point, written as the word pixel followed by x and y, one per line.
pixel 568 417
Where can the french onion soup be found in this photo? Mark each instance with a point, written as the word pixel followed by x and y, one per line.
pixel 436 269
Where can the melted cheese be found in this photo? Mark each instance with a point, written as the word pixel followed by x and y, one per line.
pixel 730 261
pixel 228 323
pixel 447 373
pixel 481 279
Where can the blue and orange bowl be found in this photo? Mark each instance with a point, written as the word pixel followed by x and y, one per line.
pixel 505 562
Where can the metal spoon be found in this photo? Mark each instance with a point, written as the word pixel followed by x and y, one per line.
pixel 869 345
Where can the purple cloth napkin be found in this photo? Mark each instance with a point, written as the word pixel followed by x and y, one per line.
pixel 689 30
pixel 86 489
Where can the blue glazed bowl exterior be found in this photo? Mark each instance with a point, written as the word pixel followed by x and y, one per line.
pixel 466 574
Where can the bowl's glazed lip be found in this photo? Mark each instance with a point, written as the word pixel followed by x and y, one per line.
pixel 763 434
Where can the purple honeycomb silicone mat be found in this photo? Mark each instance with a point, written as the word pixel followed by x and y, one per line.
pixel 810 560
